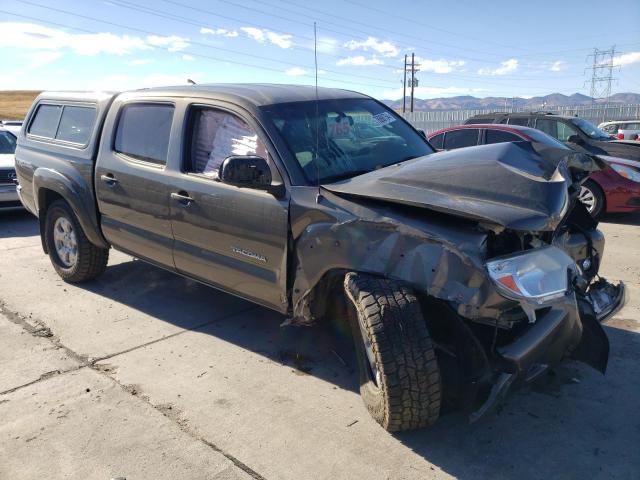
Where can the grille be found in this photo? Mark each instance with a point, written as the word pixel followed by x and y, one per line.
pixel 7 175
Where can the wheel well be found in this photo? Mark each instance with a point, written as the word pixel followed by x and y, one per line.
pixel 45 198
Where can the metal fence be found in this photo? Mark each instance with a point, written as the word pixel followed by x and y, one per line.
pixel 435 119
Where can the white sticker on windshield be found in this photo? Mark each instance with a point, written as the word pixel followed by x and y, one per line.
pixel 384 118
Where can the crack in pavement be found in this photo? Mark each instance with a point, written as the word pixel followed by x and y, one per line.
pixel 38 328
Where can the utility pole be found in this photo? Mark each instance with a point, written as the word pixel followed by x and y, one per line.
pixel 404 86
pixel 414 80
pixel 601 73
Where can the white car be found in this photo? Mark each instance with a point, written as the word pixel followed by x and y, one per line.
pixel 622 129
pixel 8 185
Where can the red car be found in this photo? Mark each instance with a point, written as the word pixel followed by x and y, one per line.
pixel 616 188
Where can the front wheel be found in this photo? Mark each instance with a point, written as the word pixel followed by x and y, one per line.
pixel 592 196
pixel 73 256
pixel 399 373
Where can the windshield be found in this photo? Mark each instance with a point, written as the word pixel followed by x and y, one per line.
pixel 541 137
pixel 354 136
pixel 590 129
pixel 7 142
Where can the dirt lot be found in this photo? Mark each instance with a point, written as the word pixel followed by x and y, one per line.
pixel 145 375
pixel 15 104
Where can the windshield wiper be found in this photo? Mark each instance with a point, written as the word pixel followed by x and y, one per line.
pixel 343 176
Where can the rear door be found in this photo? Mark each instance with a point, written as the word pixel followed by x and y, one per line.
pixel 130 179
pixel 233 238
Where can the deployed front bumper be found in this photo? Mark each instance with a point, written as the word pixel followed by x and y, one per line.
pixel 569 328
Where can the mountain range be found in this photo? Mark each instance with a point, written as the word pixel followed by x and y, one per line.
pixel 552 100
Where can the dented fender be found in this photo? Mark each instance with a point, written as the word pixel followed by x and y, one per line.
pixel 440 257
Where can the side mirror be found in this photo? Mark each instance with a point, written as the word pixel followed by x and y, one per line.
pixel 249 171
pixel 575 139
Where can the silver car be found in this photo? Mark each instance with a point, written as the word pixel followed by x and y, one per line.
pixel 622 129
pixel 8 183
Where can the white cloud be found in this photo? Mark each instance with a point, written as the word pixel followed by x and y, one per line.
pixel 426 92
pixel 296 71
pixel 506 67
pixel 39 59
pixel 223 32
pixel 327 45
pixel 627 58
pixel 140 61
pixel 359 61
pixel 188 58
pixel 438 66
pixel 172 43
pixel 558 65
pixel 263 36
pixel 384 48
pixel 39 37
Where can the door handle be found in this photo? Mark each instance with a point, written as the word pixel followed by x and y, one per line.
pixel 182 197
pixel 109 179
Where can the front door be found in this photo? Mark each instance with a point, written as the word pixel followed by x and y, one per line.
pixel 233 238
pixel 131 184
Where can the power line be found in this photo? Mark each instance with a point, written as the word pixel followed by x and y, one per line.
pixel 204 45
pixel 200 55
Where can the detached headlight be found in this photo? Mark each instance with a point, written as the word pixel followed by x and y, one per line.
pixel 626 172
pixel 539 275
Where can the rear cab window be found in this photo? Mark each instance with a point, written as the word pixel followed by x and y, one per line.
pixel 465 137
pixel 63 123
pixel 143 131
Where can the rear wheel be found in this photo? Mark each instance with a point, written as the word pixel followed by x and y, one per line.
pixel 73 256
pixel 592 196
pixel 399 374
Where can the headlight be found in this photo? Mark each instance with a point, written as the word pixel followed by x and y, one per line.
pixel 539 275
pixel 626 172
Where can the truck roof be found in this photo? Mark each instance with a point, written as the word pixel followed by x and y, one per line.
pixel 257 94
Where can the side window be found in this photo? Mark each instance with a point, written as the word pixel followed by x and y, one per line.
pixel 143 131
pixel 76 124
pixel 217 135
pixel 466 137
pixel 437 141
pixel 523 121
pixel 499 136
pixel 565 131
pixel 45 121
pixel 556 129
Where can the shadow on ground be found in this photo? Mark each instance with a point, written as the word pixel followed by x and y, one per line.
pixel 574 423
pixel 19 223
pixel 622 218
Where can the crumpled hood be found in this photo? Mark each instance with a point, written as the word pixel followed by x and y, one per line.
pixel 521 186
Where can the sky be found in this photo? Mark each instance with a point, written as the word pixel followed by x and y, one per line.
pixel 465 47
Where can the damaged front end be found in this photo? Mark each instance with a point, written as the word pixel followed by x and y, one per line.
pixel 494 241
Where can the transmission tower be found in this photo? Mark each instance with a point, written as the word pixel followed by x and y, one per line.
pixel 601 72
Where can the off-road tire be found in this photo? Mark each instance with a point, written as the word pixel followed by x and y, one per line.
pixel 91 260
pixel 409 394
pixel 599 197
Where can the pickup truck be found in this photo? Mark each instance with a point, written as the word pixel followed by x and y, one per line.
pixel 460 273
